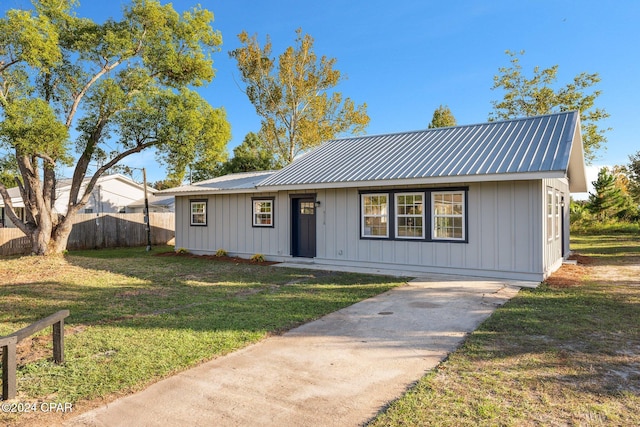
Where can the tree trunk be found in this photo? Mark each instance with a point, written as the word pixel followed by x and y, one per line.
pixel 48 239
pixel 41 236
pixel 60 237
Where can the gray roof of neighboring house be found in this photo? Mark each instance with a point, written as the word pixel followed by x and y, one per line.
pixel 232 183
pixel 528 148
pixel 154 200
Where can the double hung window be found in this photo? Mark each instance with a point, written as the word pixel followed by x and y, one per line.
pixel 375 215
pixel 408 215
pixel 262 213
pixel 198 212
pixel 448 215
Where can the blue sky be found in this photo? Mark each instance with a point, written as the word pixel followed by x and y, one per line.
pixel 405 58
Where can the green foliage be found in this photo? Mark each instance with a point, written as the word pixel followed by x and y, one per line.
pixel 182 251
pixel 221 253
pixel 294 96
pixel 634 176
pixel 122 86
pixel 8 172
pixel 442 118
pixel 258 258
pixel 524 97
pixel 610 200
pixel 614 227
pixel 251 155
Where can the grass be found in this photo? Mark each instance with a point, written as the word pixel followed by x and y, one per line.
pixel 137 317
pixel 555 355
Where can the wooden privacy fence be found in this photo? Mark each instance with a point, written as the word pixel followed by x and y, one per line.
pixel 8 347
pixel 91 231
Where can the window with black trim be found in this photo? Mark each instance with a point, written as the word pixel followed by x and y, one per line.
pixel 430 214
pixel 198 212
pixel 448 215
pixel 410 215
pixel 375 215
pixel 262 212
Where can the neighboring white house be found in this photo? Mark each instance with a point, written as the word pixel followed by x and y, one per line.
pixel 111 194
pixel 488 200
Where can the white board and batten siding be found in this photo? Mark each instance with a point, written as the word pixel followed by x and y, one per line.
pixel 229 226
pixel 553 244
pixel 506 232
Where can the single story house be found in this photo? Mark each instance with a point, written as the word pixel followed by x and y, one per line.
pixel 489 200
pixel 111 194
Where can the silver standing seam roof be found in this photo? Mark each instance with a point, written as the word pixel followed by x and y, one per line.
pixel 548 146
pixel 231 183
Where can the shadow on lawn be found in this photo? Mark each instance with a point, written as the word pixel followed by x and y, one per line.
pixel 186 293
pixel 616 249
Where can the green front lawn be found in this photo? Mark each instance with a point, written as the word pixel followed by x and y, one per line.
pixel 137 317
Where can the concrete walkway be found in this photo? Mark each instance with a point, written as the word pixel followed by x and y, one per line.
pixel 337 371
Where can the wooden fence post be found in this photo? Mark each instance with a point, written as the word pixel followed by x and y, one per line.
pixel 58 341
pixel 8 345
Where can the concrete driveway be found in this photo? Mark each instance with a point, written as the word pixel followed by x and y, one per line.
pixel 340 370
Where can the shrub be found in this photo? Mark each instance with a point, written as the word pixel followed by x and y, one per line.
pixel 221 252
pixel 258 258
pixel 605 227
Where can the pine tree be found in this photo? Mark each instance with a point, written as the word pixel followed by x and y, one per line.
pixel 609 200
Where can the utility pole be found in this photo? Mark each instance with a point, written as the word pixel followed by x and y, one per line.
pixel 146 209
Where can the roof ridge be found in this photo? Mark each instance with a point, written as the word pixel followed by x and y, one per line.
pixel 377 135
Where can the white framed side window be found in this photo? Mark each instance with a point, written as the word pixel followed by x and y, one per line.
pixel 550 213
pixel 409 215
pixel 375 215
pixel 448 214
pixel 262 212
pixel 557 213
pixel 198 212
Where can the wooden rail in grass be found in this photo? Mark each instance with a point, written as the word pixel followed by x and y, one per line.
pixel 8 346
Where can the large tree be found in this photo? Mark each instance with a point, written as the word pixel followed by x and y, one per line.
pixel 442 118
pixel 252 155
pixel 633 169
pixel 539 94
pixel 610 199
pixel 294 96
pixel 87 95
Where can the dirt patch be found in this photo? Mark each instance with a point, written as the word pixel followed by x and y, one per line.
pixel 40 347
pixel 235 260
pixel 569 275
pixel 582 259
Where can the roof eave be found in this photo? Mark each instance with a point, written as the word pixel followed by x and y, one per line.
pixel 205 191
pixel 438 180
pixel 576 170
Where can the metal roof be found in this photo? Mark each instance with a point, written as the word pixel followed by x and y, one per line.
pixel 232 183
pixel 154 200
pixel 527 148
